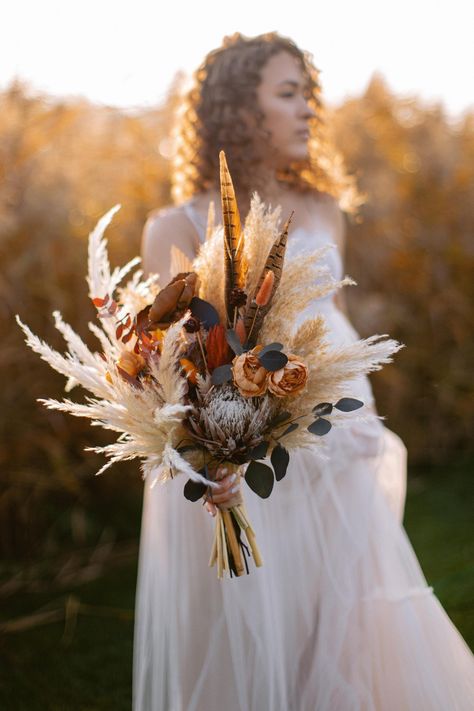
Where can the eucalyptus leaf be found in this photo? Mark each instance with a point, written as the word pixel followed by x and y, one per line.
pixel 280 458
pixel 194 490
pixel 320 427
pixel 324 408
pixel 347 404
pixel 260 479
pixel 221 374
pixel 273 360
pixel 280 418
pixel 291 428
pixel 260 451
pixel 234 341
pixel 204 311
pixel 271 347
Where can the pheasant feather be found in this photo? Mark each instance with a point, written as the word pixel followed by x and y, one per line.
pixel 255 313
pixel 234 261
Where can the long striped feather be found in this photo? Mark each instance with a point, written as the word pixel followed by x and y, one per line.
pixel 254 314
pixel 234 261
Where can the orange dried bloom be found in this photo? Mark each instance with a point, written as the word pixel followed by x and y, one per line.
pixel 248 375
pixel 289 380
pixel 131 363
pixel 157 335
pixel 190 370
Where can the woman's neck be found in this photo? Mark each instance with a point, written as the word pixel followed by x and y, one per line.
pixel 271 191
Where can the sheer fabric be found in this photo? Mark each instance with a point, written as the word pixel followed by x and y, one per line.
pixel 339 618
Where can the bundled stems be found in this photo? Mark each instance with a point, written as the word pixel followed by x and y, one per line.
pixel 226 544
pixel 228 549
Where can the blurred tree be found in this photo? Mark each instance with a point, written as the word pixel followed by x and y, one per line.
pixel 62 165
pixel 413 258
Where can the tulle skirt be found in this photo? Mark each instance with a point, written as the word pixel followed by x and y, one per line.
pixel 338 618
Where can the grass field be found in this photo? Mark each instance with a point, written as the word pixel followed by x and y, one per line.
pixel 75 654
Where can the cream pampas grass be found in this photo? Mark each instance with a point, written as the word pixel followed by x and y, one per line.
pixel 183 390
pixel 148 420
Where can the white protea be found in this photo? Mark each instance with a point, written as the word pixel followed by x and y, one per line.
pixel 230 424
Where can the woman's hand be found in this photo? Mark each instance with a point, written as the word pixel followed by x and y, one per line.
pixel 228 487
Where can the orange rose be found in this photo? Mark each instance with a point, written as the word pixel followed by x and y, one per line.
pixel 288 380
pixel 249 376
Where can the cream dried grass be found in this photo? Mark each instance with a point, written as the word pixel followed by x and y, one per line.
pixel 149 419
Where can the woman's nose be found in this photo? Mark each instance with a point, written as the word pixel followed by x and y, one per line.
pixel 306 111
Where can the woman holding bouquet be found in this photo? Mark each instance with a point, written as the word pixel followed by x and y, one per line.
pixel 339 617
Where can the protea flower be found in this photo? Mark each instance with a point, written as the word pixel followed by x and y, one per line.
pixel 228 424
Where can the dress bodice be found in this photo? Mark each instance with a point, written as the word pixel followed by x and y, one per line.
pixel 301 241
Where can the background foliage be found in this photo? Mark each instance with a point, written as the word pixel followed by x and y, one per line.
pixel 62 165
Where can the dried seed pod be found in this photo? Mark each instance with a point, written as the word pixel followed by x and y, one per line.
pixel 166 301
pixel 265 292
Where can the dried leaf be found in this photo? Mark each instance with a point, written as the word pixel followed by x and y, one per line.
pixel 100 303
pixel 217 348
pixel 279 459
pixel 260 478
pixel 348 404
pixel 319 427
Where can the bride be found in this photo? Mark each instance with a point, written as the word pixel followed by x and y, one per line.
pixel 340 617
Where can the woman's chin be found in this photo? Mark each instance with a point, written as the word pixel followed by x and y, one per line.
pixel 298 155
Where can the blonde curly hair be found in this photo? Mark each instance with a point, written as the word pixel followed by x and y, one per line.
pixel 225 82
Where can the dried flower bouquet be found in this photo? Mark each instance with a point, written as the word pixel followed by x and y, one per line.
pixel 207 371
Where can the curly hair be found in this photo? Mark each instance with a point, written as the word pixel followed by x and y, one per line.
pixel 210 120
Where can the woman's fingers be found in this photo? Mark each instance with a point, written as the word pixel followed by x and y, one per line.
pixel 228 487
pixel 211 508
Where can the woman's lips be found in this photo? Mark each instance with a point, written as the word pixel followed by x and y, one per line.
pixel 303 133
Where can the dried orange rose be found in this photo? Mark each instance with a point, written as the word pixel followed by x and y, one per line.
pixel 289 380
pixel 132 363
pixel 249 376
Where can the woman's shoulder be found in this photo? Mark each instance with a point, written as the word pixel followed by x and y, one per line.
pixel 167 228
pixel 169 215
pixel 189 216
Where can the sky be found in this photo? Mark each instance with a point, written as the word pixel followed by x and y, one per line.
pixel 127 53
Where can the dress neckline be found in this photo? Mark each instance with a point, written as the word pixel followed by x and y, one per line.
pixel 318 236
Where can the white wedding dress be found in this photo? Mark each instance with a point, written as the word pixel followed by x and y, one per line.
pixel 339 617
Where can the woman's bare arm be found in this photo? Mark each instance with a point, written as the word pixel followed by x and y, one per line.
pixel 162 230
pixel 338 219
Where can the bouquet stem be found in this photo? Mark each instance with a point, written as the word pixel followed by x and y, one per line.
pixel 227 547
